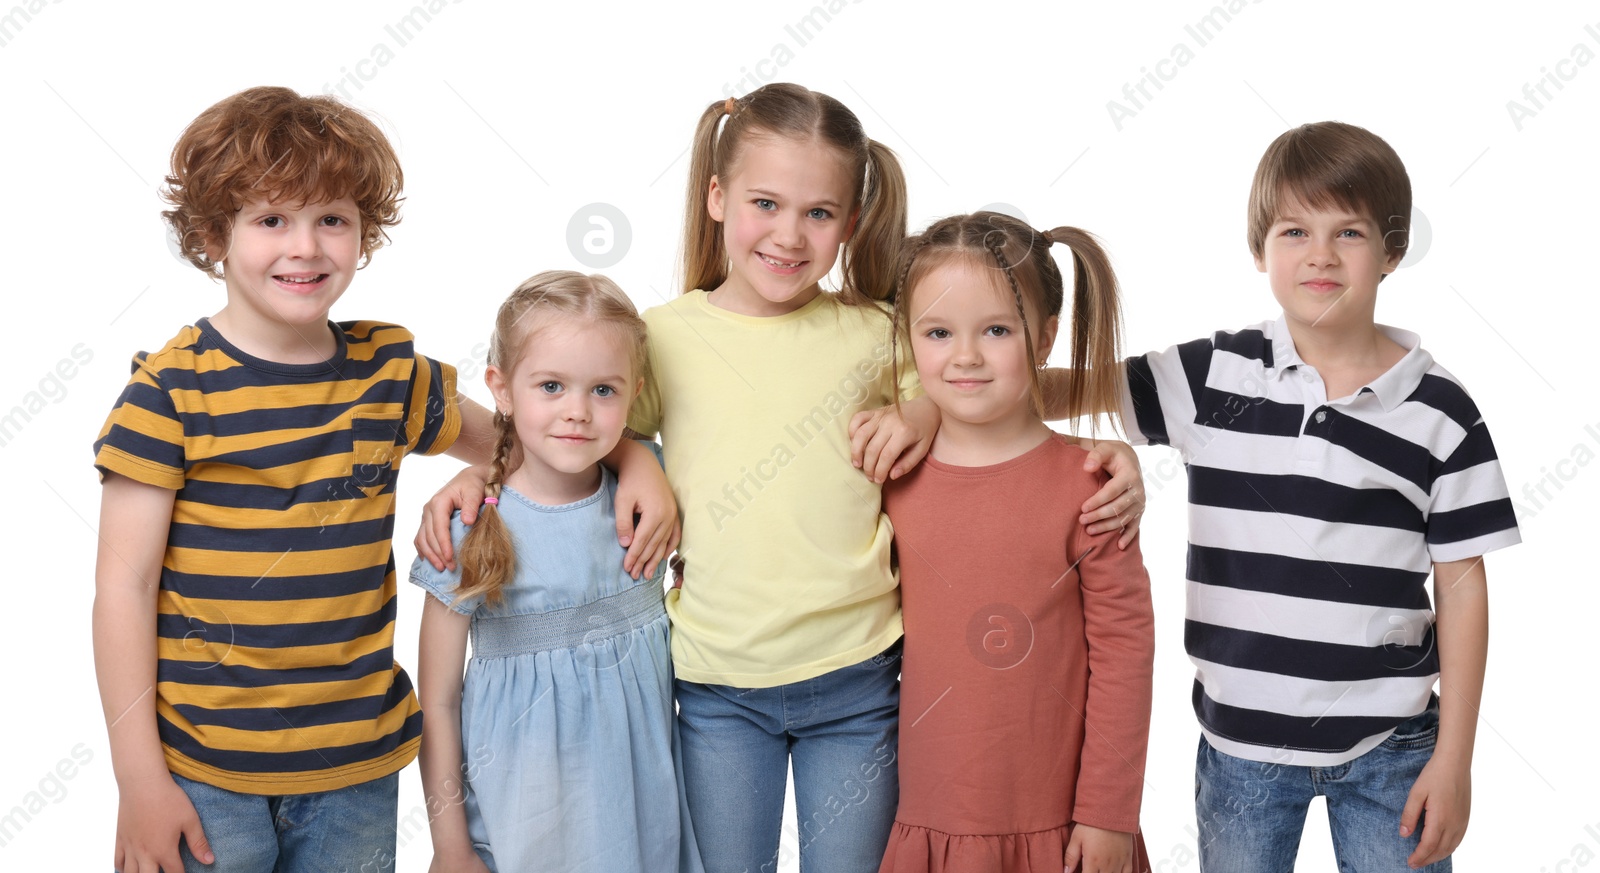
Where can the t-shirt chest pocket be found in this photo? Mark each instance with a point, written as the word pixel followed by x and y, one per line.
pixel 375 440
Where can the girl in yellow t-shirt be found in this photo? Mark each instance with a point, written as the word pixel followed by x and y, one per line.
pixel 786 626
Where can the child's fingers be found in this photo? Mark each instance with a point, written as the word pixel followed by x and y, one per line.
pixel 1411 811
pixel 1074 854
pixel 876 459
pixel 656 549
pixel 1129 531
pixel 1442 831
pixel 199 846
pixel 888 455
pixel 863 426
pixel 626 529
pixel 910 458
pixel 1097 458
pixel 425 545
pixel 1428 848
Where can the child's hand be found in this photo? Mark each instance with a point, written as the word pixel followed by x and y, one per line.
pixel 464 492
pixel 152 815
pixel 1120 502
pixel 457 862
pixel 642 490
pixel 886 444
pixel 1445 791
pixel 1092 850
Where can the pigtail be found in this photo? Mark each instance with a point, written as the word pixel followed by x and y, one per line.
pixel 704 256
pixel 996 242
pixel 900 308
pixel 488 557
pixel 868 263
pixel 1097 380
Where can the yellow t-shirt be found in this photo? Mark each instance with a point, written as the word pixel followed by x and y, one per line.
pixel 785 544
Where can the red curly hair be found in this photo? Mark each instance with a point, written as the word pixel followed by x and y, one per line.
pixel 275 143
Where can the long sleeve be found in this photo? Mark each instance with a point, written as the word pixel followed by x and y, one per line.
pixel 1120 629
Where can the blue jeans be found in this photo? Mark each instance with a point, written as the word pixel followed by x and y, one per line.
pixel 842 730
pixel 1251 814
pixel 346 830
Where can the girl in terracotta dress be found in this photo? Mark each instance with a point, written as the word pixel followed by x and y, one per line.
pixel 1025 695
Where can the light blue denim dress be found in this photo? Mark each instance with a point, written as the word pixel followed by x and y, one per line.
pixel 567 725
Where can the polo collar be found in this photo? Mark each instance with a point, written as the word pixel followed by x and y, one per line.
pixel 1391 388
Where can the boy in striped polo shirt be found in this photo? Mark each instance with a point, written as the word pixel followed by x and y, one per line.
pixel 245 587
pixel 1332 465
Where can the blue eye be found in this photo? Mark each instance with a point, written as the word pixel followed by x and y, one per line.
pixel 765 205
pixel 820 214
pixel 1353 233
pixel 604 391
pixel 551 387
pixel 1294 231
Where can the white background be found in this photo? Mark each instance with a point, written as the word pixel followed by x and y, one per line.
pixel 510 119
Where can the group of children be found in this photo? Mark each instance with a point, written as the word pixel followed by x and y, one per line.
pixel 893 576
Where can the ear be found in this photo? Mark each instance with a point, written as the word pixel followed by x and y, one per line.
pixel 1045 339
pixel 714 204
pixel 216 250
pixel 850 229
pixel 1391 261
pixel 500 387
pixel 1261 263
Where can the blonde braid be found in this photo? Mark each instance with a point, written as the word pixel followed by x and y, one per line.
pixel 488 557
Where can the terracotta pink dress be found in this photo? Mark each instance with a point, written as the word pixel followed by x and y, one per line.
pixel 1025 691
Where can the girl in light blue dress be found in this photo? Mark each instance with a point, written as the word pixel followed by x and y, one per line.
pixel 557 751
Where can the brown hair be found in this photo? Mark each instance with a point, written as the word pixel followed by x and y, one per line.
pixel 1023 255
pixel 488 559
pixel 1327 165
pixel 788 110
pixel 272 142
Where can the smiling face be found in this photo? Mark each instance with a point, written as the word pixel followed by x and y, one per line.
pixel 968 341
pixel 1324 265
pixel 567 395
pixel 785 210
pixel 285 266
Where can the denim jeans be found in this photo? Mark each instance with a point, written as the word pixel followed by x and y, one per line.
pixel 842 731
pixel 1251 813
pixel 346 830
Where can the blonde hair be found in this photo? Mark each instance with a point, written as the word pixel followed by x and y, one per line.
pixel 1023 255
pixel 488 558
pixel 790 111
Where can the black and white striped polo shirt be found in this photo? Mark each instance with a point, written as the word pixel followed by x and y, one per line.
pixel 1313 526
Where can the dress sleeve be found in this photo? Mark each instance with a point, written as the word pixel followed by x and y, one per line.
pixel 1120 628
pixel 433 419
pixel 143 436
pixel 442 584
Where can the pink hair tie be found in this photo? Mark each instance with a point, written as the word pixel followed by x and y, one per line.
pixel 491 501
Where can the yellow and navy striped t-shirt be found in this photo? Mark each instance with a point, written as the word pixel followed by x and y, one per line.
pixel 275 624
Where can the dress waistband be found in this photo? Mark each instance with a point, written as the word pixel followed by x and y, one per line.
pixel 508 635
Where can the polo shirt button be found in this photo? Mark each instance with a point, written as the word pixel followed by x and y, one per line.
pixel 1321 416
pixel 1308 377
